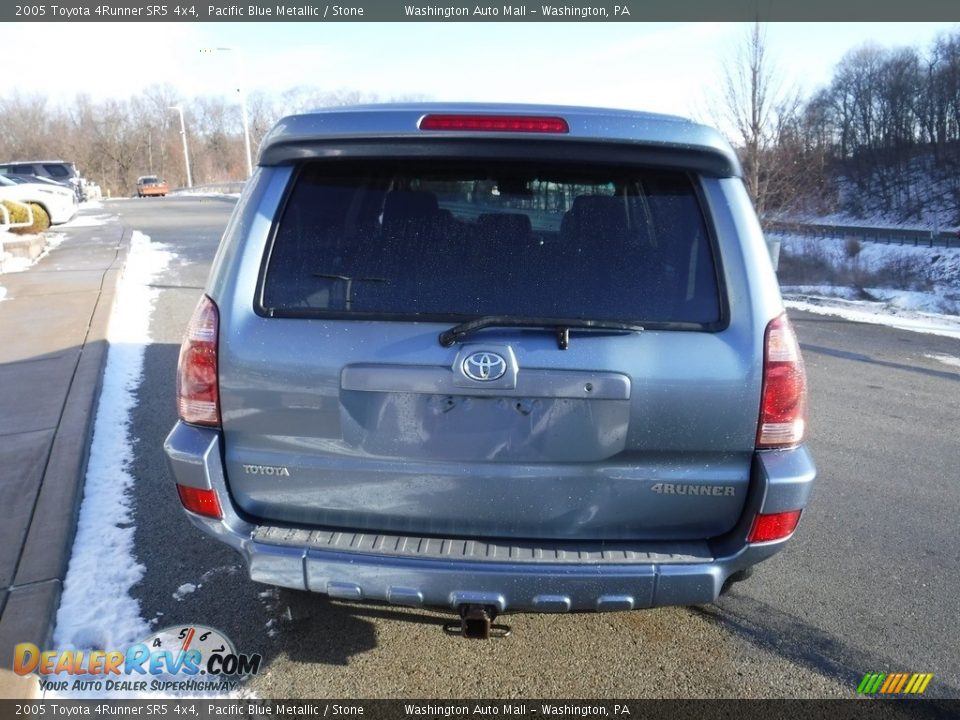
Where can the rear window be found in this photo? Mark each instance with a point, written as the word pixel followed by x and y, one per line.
pixel 149 181
pixel 445 239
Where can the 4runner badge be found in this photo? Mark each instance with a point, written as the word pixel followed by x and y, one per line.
pixel 690 489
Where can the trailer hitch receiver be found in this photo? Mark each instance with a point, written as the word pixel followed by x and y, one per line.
pixel 476 623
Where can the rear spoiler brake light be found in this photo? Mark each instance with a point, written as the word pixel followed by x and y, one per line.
pixel 495 123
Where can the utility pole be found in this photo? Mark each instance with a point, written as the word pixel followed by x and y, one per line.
pixel 183 136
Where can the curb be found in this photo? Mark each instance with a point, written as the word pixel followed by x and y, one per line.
pixel 30 610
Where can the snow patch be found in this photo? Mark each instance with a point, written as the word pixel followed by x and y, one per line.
pixel 878 314
pixel 96 609
pixel 945 359
pixel 11 264
pixel 826 291
pixel 88 221
pixel 183 591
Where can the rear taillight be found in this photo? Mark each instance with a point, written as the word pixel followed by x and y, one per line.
pixel 200 501
pixel 495 123
pixel 198 394
pixel 774 526
pixel 783 400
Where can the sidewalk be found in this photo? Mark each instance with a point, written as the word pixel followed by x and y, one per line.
pixel 53 349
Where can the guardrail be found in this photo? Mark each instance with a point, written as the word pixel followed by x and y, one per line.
pixel 886 236
pixel 229 186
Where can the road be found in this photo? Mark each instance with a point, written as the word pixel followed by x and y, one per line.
pixel 869 584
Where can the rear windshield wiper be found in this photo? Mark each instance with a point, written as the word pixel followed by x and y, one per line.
pixel 561 327
pixel 347 278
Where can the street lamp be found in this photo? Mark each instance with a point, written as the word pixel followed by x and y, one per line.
pixel 183 136
pixel 243 100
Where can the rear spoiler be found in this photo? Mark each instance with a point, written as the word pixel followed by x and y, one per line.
pixel 703 160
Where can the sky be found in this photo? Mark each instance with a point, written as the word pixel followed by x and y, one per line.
pixel 662 67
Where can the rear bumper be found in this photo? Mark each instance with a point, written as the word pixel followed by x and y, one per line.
pixel 509 581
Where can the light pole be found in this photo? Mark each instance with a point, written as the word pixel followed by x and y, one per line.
pixel 183 136
pixel 243 101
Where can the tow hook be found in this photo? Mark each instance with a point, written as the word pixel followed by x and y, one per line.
pixel 476 623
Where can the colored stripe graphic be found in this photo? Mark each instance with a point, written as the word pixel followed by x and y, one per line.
pixel 891 680
pixel 894 683
pixel 875 681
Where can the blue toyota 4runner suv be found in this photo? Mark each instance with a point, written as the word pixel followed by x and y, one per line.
pixel 494 358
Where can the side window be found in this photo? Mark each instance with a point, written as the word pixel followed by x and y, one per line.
pixel 57 171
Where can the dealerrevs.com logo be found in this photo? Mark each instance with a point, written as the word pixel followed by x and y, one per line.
pixel 188 658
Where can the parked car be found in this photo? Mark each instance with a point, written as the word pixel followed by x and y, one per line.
pixel 33 179
pixel 151 186
pixel 58 170
pixel 494 358
pixel 60 203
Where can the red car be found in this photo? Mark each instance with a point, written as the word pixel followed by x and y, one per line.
pixel 151 185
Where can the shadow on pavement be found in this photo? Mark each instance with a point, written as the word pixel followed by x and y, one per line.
pixel 774 631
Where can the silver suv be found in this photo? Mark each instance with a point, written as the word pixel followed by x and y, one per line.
pixel 59 171
pixel 494 358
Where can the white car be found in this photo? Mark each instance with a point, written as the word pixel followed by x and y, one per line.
pixel 59 202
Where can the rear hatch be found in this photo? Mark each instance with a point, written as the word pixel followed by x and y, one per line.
pixel 558 418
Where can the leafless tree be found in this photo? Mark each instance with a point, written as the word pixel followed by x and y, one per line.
pixel 115 140
pixel 760 109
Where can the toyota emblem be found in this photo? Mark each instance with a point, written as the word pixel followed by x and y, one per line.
pixel 484 366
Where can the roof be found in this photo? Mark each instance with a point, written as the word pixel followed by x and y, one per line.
pixel 36 162
pixel 293 136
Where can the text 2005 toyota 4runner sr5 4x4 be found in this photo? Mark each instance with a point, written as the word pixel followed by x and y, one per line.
pixel 494 358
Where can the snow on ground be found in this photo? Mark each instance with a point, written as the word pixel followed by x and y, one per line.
pixel 11 263
pixel 87 221
pixel 911 288
pixel 183 591
pixel 945 359
pixel 877 220
pixel 941 266
pixel 877 314
pixel 96 610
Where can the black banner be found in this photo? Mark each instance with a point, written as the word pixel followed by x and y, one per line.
pixel 447 11
pixel 863 709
